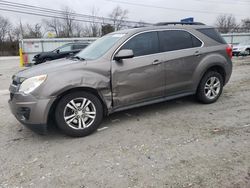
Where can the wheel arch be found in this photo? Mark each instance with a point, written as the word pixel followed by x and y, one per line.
pixel 217 67
pixel 76 89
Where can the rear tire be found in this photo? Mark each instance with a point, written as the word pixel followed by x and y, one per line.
pixel 248 51
pixel 210 87
pixel 79 114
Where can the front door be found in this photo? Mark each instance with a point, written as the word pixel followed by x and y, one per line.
pixel 142 77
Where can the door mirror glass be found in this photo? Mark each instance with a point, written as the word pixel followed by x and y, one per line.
pixel 124 54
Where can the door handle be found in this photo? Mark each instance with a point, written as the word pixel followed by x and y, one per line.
pixel 197 53
pixel 156 62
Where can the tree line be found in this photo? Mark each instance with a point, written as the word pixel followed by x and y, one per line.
pixel 68 26
pixel 227 23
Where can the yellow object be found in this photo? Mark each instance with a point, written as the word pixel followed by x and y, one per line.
pixel 50 35
pixel 21 57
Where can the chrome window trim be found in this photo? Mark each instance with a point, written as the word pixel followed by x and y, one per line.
pixel 157 30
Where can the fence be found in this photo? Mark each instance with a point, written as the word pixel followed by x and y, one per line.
pixel 31 47
pixel 236 38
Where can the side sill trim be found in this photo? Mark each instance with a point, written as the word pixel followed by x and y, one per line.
pixel 158 100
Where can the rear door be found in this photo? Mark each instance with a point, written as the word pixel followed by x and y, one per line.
pixel 140 78
pixel 180 56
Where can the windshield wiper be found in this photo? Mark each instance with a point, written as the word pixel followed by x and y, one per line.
pixel 77 57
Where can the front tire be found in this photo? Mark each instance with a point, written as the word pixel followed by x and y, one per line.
pixel 47 59
pixel 210 87
pixel 79 114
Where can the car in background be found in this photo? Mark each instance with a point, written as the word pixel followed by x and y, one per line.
pixel 242 49
pixel 66 50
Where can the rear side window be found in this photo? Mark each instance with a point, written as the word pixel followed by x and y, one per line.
pixel 79 46
pixel 213 34
pixel 177 40
pixel 196 42
pixel 143 44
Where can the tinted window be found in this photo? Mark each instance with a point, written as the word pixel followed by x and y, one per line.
pixel 79 46
pixel 65 48
pixel 196 42
pixel 175 40
pixel 213 34
pixel 143 44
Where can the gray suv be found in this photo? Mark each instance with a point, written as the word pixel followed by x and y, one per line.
pixel 122 70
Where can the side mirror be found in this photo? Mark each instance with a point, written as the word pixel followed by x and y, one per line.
pixel 57 51
pixel 124 54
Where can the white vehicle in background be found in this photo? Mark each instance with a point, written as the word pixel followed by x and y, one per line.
pixel 242 49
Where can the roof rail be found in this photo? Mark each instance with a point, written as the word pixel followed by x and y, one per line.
pixel 179 23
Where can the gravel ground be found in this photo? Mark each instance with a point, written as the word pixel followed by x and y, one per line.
pixel 179 143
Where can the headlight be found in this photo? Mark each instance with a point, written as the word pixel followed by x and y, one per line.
pixel 37 56
pixel 32 83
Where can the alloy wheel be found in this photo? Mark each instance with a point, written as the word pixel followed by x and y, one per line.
pixel 79 113
pixel 212 88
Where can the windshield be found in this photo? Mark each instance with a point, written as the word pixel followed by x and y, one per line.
pixel 99 47
pixel 63 48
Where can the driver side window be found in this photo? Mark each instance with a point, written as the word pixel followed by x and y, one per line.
pixel 143 44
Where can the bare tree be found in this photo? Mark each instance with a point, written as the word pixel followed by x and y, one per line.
pixel 92 29
pixel 64 27
pixel 118 16
pixel 226 23
pixel 33 31
pixel 68 21
pixel 18 31
pixel 54 25
pixel 7 44
pixel 107 29
pixel 245 24
pixel 78 30
pixel 5 27
pixel 95 27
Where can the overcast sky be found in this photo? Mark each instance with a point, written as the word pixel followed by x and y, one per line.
pixel 152 11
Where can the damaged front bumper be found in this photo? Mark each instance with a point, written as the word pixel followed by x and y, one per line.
pixel 29 110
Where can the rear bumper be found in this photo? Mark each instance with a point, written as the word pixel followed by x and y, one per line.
pixel 30 111
pixel 229 70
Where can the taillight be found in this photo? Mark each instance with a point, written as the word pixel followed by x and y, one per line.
pixel 229 51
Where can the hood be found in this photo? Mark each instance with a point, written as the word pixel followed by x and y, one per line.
pixel 49 67
pixel 42 54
